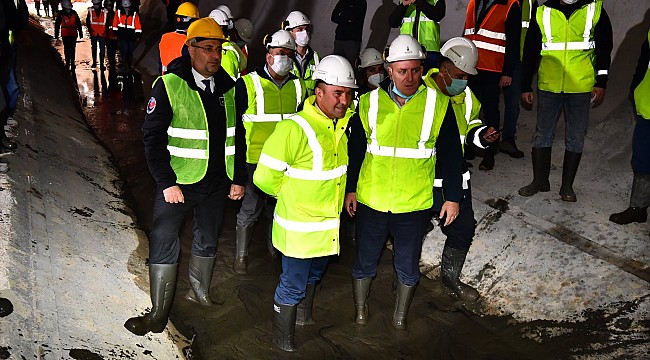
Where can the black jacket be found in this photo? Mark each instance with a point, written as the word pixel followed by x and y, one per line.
pixel 449 154
pixel 533 44
pixel 159 118
pixel 349 15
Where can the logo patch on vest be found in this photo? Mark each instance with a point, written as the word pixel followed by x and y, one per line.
pixel 151 106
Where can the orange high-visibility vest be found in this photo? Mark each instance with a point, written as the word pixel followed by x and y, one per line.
pixel 490 36
pixel 97 24
pixel 125 21
pixel 69 24
pixel 171 47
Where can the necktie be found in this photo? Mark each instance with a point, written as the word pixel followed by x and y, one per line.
pixel 208 89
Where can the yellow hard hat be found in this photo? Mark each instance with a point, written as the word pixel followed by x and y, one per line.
pixel 188 9
pixel 205 28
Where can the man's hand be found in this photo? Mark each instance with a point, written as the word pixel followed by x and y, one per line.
pixel 491 135
pixel 174 195
pixel 527 100
pixel 505 81
pixel 449 212
pixel 597 96
pixel 236 192
pixel 350 203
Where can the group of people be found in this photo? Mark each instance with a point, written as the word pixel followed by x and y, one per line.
pixel 107 28
pixel 301 138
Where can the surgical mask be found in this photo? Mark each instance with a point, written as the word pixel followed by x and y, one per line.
pixel 569 2
pixel 282 64
pixel 302 38
pixel 399 93
pixel 375 79
pixel 456 87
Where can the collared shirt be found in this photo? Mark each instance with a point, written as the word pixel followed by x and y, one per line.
pixel 302 60
pixel 280 85
pixel 198 79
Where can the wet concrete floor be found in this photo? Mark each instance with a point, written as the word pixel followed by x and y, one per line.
pixel 239 327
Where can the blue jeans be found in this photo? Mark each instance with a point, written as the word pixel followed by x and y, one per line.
pixel 94 41
pixel 408 230
pixel 208 200
pixel 511 99
pixel 576 113
pixel 296 275
pixel 641 147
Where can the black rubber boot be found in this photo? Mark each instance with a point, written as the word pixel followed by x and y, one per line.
pixel 402 304
pixel 541 170
pixel 243 236
pixel 450 269
pixel 162 279
pixel 487 163
pixel 569 170
pixel 200 271
pixel 303 314
pixel 284 326
pixel 361 289
pixel 509 146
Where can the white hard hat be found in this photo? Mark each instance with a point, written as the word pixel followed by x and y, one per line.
pixel 280 38
pixel 335 70
pixel 462 52
pixel 220 17
pixel 295 19
pixel 405 47
pixel 226 11
pixel 244 29
pixel 370 57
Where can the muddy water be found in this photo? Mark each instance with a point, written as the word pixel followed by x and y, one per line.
pixel 239 327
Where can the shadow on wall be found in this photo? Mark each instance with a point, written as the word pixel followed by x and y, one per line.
pixel 379 27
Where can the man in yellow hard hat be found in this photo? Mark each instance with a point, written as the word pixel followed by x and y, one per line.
pixel 172 44
pixel 187 112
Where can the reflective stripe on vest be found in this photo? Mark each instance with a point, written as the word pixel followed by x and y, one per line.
pixel 490 35
pixel 421 152
pixel 122 23
pixel 306 226
pixel 98 22
pixel 587 44
pixel 260 115
pixel 428 29
pixel 466 177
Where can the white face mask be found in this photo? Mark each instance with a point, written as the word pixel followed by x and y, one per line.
pixel 302 38
pixel 282 64
pixel 375 79
pixel 569 2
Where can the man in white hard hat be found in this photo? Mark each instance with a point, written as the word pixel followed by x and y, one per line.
pixel 306 59
pixel 226 10
pixel 399 134
pixel 459 57
pixel 303 164
pixel 263 98
pixel 233 60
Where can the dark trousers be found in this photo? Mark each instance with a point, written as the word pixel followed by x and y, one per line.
pixel 96 41
pixel 126 49
pixel 296 275
pixel 208 200
pixel 111 49
pixel 69 49
pixel 511 100
pixel 641 146
pixel 459 233
pixel 408 230
pixel 485 86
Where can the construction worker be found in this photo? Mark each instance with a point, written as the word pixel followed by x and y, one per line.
pixel 303 164
pixel 97 23
pixel 46 7
pixel 233 59
pixel 226 10
pixel 68 24
pixel 400 132
pixel 512 93
pixel 495 28
pixel 640 196
pixel 172 44
pixel 110 38
pixel 569 43
pixel 264 97
pixel 242 34
pixel 371 70
pixel 458 62
pixel 306 59
pixel 421 19
pixel 185 113
pixel 126 24
pixel 348 15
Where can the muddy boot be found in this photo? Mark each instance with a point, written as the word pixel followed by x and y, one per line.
pixel 450 268
pixel 200 271
pixel 639 201
pixel 402 304
pixel 303 314
pixel 269 241
pixel 569 170
pixel 162 279
pixel 244 234
pixel 284 322
pixel 541 170
pixel 361 288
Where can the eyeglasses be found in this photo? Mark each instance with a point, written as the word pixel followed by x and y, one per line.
pixel 211 50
